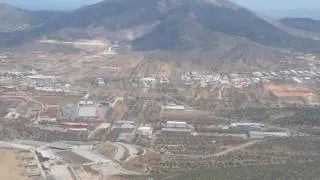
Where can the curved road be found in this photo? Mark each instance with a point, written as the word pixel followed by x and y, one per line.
pixel 120 152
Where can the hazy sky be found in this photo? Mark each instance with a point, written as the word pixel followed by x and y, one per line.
pixel 49 4
pixel 280 4
pixel 253 4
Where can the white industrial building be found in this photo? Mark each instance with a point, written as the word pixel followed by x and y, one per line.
pixel 246 126
pixel 174 107
pixel 145 131
pixel 177 128
pixel 87 112
pixel 148 80
pixel 260 134
pixel 176 124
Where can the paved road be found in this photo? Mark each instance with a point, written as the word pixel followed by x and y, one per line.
pixel 220 92
pixel 120 152
pixel 131 149
pixel 116 101
pixel 43 174
pixel 214 87
pixel 237 148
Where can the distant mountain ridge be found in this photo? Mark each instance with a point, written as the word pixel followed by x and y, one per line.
pixel 306 24
pixel 51 5
pixel 210 31
pixel 293 13
pixel 12 18
pixel 16 19
pixel 207 15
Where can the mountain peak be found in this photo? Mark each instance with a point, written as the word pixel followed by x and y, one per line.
pixel 174 3
pixel 174 24
pixel 224 3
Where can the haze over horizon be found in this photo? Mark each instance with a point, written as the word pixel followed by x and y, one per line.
pixel 277 9
pixel 279 5
pixel 253 4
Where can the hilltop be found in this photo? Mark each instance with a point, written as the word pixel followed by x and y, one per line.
pixel 217 33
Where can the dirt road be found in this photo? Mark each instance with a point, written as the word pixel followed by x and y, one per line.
pixel 236 148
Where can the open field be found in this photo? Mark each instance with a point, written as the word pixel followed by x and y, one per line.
pixel 10 168
pixel 107 149
pixel 289 90
pixel 73 61
pixel 192 117
pixel 119 111
pixel 55 99
pixel 144 162
pixel 10 103
pixel 293 93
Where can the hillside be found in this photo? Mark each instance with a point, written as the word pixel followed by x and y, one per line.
pixel 16 19
pixel 217 33
pixel 12 18
pixel 303 24
pixel 173 17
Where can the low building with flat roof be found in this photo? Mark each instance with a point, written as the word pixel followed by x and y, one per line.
pixel 177 127
pixel 87 112
pixel 145 131
pixel 176 131
pixel 245 127
pixel 260 134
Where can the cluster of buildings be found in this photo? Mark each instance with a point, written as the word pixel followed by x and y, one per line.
pixel 256 130
pixel 297 76
pixel 145 81
pixel 32 80
pixel 55 160
pixel 85 111
pixel 74 121
pixel 247 79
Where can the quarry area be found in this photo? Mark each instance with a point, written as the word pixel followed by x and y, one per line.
pixel 105 116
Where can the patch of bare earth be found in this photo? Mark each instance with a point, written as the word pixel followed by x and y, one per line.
pixel 11 166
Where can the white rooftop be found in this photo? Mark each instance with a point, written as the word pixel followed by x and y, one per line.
pixel 177 122
pixel 246 124
pixel 87 112
pixel 145 128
